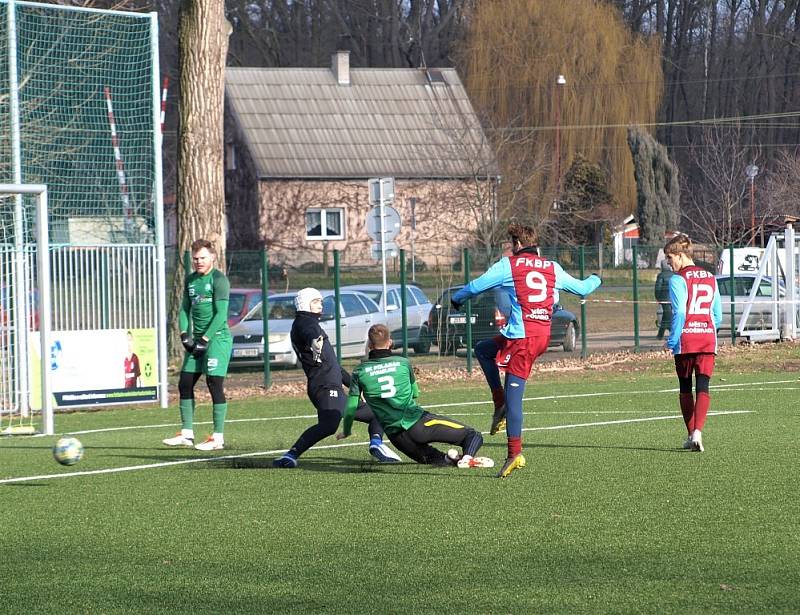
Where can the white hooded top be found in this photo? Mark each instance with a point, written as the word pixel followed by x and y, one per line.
pixel 302 302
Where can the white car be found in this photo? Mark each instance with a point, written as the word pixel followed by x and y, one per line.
pixel 357 314
pixel 418 308
pixel 761 311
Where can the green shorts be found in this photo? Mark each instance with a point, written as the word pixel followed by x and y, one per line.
pixel 215 360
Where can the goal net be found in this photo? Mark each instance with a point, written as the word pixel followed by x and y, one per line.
pixel 80 114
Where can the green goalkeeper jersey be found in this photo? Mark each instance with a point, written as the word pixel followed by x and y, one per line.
pixel 205 300
pixel 388 385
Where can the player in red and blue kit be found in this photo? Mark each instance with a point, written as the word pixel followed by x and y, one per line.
pixel 696 316
pixel 531 283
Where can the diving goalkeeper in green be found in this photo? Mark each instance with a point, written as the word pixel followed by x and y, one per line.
pixel 207 340
pixel 389 388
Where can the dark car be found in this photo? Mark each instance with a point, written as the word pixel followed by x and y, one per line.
pixel 449 328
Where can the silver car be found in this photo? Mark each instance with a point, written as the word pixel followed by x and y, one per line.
pixel 358 313
pixel 418 308
pixel 761 311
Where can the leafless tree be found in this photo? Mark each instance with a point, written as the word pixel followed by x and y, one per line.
pixel 201 194
pixel 725 58
pixel 484 201
pixel 716 209
pixel 781 188
pixel 385 33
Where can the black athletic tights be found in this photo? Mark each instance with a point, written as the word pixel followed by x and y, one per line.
pixel 330 404
pixel 187 381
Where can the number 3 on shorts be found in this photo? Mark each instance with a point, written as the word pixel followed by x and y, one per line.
pixel 387 386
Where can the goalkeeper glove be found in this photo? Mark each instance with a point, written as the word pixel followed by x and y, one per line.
pixel 187 341
pixel 200 347
pixel 456 305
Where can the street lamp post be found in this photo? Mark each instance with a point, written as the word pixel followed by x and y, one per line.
pixel 751 171
pixel 560 82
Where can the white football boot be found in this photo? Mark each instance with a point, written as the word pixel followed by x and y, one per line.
pixel 697 441
pixel 212 443
pixel 468 461
pixel 185 437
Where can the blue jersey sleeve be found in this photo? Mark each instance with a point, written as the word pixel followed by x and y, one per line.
pixel 565 281
pixel 716 309
pixel 495 276
pixel 677 298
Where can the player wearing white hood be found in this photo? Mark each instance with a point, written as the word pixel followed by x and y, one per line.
pixel 324 387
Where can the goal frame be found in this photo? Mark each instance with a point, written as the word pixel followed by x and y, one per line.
pixel 20 315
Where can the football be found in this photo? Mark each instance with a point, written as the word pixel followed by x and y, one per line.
pixel 68 451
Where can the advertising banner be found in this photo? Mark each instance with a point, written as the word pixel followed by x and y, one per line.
pixel 111 366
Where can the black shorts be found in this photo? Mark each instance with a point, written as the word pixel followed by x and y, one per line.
pixel 328 398
pixel 415 441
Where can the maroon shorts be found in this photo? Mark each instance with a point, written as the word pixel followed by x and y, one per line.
pixel 695 362
pixel 517 356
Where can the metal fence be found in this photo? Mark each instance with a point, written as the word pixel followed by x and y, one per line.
pixel 103 287
pixel 625 313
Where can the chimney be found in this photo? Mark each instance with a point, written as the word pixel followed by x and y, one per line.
pixel 340 65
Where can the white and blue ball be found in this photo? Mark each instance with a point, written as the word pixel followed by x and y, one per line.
pixel 68 451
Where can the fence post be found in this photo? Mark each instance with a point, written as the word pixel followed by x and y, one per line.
pixel 581 261
pixel 635 253
pixel 733 295
pixel 468 309
pixel 403 302
pixel 106 298
pixel 336 298
pixel 265 316
pixel 600 258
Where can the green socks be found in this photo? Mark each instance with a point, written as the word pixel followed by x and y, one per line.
pixel 187 413
pixel 220 410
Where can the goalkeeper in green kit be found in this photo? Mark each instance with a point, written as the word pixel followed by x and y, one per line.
pixel 389 388
pixel 207 341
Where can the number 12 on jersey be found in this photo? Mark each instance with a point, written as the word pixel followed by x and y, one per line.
pixel 702 296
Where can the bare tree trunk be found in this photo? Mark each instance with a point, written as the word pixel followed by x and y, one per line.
pixel 203 40
pixel 706 53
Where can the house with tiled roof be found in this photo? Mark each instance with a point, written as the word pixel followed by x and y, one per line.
pixel 302 143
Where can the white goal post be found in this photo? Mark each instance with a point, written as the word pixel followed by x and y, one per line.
pixel 16 377
pixel 780 265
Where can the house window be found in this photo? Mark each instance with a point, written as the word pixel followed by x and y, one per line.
pixel 325 224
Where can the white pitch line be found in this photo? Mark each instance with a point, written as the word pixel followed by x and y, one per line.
pixel 641 420
pixel 172 425
pixel 747 384
pixel 762 389
pixel 609 393
pixel 313 416
pixel 721 387
pixel 166 464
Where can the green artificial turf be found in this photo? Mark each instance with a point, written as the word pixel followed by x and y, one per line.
pixel 604 518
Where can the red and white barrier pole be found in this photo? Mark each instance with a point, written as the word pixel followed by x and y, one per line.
pixel 164 102
pixel 123 184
